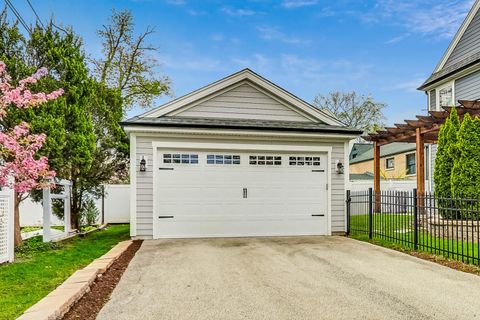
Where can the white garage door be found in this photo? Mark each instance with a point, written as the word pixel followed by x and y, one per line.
pixel 225 194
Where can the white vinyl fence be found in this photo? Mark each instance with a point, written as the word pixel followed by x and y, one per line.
pixel 6 225
pixel 117 203
pixel 115 208
pixel 390 185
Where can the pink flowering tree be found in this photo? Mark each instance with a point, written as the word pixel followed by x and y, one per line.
pixel 20 167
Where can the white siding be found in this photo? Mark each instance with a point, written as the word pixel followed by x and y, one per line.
pixel 145 180
pixel 242 102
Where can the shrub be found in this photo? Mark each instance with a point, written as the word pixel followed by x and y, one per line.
pixel 89 213
pixel 444 160
pixel 465 178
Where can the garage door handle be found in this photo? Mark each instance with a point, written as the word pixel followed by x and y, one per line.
pixel 165 217
pixel 318 215
pixel 245 193
pixel 318 170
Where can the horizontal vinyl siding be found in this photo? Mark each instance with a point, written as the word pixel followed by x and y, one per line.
pixel 468 87
pixel 243 102
pixel 468 44
pixel 145 182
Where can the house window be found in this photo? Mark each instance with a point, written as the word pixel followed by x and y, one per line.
pixel 390 163
pixel 223 159
pixel 411 165
pixel 265 160
pixel 445 96
pixel 178 158
pixel 304 161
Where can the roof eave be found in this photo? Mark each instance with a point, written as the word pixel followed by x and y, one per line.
pixel 339 130
pixel 428 83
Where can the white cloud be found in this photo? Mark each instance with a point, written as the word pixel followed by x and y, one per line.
pixel 238 12
pixel 326 12
pixel 273 33
pixel 410 85
pixel 397 39
pixel 176 2
pixel 217 37
pixel 194 13
pixel 306 71
pixel 440 18
pixel 187 62
pixel 291 4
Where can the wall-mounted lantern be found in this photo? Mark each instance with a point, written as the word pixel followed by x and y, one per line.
pixel 143 165
pixel 340 167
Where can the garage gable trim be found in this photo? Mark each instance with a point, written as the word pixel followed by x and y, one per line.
pixel 222 95
pixel 232 80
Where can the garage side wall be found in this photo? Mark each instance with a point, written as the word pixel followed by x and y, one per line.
pixel 144 180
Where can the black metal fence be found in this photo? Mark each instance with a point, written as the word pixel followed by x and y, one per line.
pixel 427 222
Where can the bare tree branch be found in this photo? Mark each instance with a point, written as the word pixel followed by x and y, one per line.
pixel 127 65
pixel 356 111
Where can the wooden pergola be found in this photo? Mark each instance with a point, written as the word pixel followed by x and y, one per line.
pixel 422 130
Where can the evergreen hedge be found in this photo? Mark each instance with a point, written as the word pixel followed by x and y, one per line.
pixel 444 159
pixel 465 177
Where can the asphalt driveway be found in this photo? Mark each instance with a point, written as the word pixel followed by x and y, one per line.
pixel 287 278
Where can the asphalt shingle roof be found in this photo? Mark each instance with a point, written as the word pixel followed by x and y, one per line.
pixel 386 150
pixel 239 124
pixel 445 72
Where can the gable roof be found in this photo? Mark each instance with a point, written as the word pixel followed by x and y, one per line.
pixel 386 150
pixel 301 106
pixel 359 149
pixel 363 176
pixel 441 71
pixel 461 31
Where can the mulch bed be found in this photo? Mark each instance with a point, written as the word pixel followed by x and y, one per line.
pixel 91 303
pixel 454 264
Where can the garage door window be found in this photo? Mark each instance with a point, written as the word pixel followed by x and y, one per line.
pixel 265 160
pixel 179 158
pixel 223 159
pixel 304 161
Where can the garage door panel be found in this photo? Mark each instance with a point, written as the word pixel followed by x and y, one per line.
pixel 207 199
pixel 188 194
pixel 240 227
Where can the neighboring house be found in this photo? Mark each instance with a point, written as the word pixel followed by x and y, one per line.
pixel 457 75
pixel 397 161
pixel 238 157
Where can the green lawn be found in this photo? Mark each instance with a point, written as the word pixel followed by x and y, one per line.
pixel 39 268
pixel 397 230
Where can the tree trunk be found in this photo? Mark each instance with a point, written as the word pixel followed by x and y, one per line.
pixel 16 219
pixel 74 210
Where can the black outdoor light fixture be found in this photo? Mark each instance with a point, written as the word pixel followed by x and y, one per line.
pixel 143 165
pixel 340 167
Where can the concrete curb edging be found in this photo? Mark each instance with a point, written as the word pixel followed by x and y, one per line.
pixel 57 303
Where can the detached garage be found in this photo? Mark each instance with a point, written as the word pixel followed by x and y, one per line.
pixel 239 157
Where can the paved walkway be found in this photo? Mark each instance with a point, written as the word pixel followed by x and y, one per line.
pixel 287 278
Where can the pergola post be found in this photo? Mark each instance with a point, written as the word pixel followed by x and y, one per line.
pixel 420 166
pixel 376 175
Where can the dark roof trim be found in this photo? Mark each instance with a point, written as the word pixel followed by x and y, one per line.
pixel 272 126
pixel 447 72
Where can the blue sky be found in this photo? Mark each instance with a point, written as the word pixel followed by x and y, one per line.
pixel 381 47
